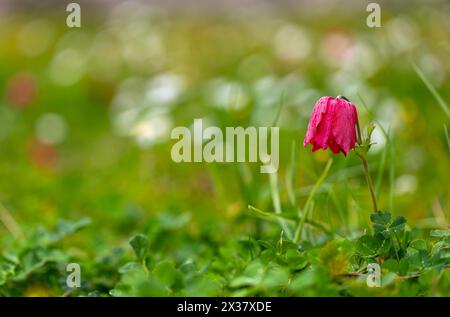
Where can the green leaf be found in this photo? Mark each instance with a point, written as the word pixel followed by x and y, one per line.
pixel 65 228
pixel 275 277
pixel 251 276
pixel 165 272
pixel 445 254
pixel 36 259
pixel 172 221
pixel 130 266
pixel 140 245
pixel 384 244
pixel 440 233
pixel 418 260
pixel 380 221
pixel 399 267
pixel 267 256
pixel 42 237
pixel 403 266
pixel 312 281
pixel 267 244
pixel 136 284
pixel 204 286
pixel 398 225
pixel 418 244
pixel 295 260
pixel 372 246
pixel 367 246
pixel 391 265
pixel 381 218
pixel 7 270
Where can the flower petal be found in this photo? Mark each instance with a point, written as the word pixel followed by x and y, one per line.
pixel 316 117
pixel 335 147
pixel 323 135
pixel 344 121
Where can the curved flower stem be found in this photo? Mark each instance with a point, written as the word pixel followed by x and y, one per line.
pixel 369 180
pixel 362 156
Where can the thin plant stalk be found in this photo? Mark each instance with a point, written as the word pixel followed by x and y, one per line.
pixel 363 157
pixel 369 180
pixel 306 208
pixel 277 202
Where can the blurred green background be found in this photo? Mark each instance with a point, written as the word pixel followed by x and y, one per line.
pixel 86 113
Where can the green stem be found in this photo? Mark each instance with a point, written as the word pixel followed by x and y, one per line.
pixel 363 158
pixel 271 216
pixel 358 130
pixel 301 223
pixel 277 202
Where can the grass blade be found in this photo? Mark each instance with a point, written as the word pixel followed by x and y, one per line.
pixel 275 191
pixel 447 135
pixel 306 208
pixel 280 108
pixel 290 177
pixel 433 90
pixel 273 217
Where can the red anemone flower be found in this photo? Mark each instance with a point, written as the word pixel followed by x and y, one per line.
pixel 332 124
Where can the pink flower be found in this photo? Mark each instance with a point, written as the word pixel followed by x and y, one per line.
pixel 332 124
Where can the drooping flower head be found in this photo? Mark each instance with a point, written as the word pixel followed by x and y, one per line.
pixel 332 124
